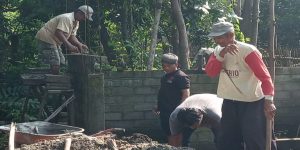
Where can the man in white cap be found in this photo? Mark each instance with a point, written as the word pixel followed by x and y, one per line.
pixel 60 30
pixel 246 86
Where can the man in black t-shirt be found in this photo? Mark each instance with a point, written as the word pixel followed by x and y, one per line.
pixel 174 89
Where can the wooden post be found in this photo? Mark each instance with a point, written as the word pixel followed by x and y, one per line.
pixel 68 142
pixel 87 110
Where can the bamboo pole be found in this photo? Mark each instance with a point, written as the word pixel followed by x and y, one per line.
pixel 11 142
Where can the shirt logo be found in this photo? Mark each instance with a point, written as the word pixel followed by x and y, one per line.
pixel 233 73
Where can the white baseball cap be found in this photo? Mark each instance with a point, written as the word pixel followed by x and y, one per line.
pixel 87 10
pixel 221 28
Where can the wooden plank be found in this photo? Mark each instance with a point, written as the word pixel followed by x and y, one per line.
pixel 33 79
pixel 57 78
pixel 59 91
pixel 57 86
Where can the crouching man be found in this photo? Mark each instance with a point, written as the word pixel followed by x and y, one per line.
pixel 199 110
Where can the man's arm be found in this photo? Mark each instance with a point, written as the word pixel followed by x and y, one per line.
pixel 73 39
pixel 260 70
pixel 60 35
pixel 185 94
pixel 213 66
pixel 175 140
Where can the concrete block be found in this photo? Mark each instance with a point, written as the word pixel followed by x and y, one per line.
pixel 112 99
pixel 295 94
pixel 127 82
pixel 122 91
pixel 143 74
pixel 119 124
pixel 197 88
pixel 287 70
pixel 143 107
pixel 113 116
pixel 287 78
pixel 119 108
pixel 107 91
pixel 150 115
pixel 151 81
pixel 202 78
pixel 145 90
pixel 291 86
pixel 126 107
pixel 133 115
pixel 146 123
pixel 282 94
pixel 157 74
pixel 150 98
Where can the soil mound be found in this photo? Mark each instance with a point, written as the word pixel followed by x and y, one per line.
pixel 107 141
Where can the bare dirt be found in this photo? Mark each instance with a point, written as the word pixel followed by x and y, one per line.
pixel 107 141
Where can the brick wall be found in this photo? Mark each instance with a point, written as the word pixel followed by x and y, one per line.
pixel 130 97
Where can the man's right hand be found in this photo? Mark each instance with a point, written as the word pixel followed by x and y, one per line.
pixel 230 48
pixel 73 49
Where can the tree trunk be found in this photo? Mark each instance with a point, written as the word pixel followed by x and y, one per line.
pixel 246 23
pixel 255 19
pixel 174 40
pixel 183 39
pixel 238 8
pixel 154 34
pixel 272 39
pixel 126 30
pixel 124 21
pixel 105 39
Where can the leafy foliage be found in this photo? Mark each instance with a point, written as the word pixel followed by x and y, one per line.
pixel 12 101
pixel 287 23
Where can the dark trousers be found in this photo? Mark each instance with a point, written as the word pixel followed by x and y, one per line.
pixel 243 126
pixel 164 122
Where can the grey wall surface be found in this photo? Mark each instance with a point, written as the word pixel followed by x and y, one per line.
pixel 130 97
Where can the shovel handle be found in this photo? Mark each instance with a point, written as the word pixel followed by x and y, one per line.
pixel 268 134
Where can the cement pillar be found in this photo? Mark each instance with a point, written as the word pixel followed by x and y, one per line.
pixel 87 110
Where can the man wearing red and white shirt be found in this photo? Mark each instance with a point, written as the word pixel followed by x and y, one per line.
pixel 246 87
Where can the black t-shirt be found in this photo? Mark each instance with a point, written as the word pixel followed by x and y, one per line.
pixel 169 95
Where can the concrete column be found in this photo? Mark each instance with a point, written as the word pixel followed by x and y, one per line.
pixel 87 110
